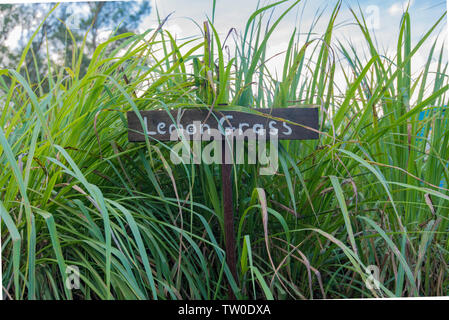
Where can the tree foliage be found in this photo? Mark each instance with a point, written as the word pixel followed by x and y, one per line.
pixel 91 20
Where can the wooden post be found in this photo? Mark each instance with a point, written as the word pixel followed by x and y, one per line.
pixel 228 216
pixel 290 124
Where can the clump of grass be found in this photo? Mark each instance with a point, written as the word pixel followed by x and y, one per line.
pixel 75 192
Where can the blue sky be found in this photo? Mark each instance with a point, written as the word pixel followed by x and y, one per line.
pixel 383 16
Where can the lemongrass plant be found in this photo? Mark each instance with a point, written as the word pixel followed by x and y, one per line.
pixel 75 193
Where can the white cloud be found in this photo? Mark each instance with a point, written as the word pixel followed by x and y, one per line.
pixel 13 37
pixel 399 7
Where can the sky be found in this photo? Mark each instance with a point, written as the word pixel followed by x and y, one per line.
pixel 383 17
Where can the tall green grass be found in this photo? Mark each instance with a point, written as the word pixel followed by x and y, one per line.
pixel 75 192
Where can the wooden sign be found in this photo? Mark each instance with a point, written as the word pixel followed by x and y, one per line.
pixel 283 123
pixel 286 123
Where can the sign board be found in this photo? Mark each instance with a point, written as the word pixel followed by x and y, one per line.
pixel 286 123
pixel 194 124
